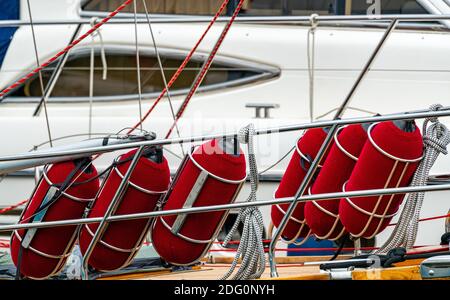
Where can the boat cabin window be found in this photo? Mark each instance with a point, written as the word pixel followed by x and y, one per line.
pixel 265 7
pixel 385 7
pixel 176 7
pixel 210 7
pixel 121 77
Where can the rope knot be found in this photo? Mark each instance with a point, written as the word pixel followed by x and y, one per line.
pixel 435 144
pixel 435 107
pixel 313 21
pixel 248 211
pixel 94 21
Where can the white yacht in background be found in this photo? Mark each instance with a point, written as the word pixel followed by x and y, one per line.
pixel 262 66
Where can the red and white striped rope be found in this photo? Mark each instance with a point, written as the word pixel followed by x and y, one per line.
pixel 182 66
pixel 205 68
pixel 12 207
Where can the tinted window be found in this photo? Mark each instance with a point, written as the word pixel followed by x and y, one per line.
pixel 267 7
pixel 194 7
pixel 122 76
pixel 371 7
pixel 290 7
pixel 209 7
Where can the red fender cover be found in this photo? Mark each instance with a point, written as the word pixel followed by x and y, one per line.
pixel 309 144
pixel 201 226
pixel 336 170
pixel 56 240
pixel 125 235
pixel 374 170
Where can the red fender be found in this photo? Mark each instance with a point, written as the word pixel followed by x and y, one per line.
pixel 218 177
pixel 309 144
pixel 322 216
pixel 388 160
pixel 50 247
pixel 122 239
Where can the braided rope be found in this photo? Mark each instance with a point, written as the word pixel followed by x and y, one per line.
pixel 201 76
pixel 251 247
pixel 436 138
pixel 182 66
pixel 12 207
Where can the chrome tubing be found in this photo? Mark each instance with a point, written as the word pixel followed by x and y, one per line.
pixel 256 19
pixel 444 112
pixel 202 209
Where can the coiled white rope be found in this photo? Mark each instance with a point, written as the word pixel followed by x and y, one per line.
pixel 92 68
pixel 436 137
pixel 251 247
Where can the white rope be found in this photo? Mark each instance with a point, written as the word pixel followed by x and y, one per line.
pixel 251 247
pixel 98 33
pixel 91 85
pixel 92 69
pixel 436 138
pixel 310 53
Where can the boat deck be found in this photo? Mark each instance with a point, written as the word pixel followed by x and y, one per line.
pixel 213 272
pixel 288 268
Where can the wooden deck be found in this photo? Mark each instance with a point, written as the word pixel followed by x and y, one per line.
pixel 212 272
pixel 289 268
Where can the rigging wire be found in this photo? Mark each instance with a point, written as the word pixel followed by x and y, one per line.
pixel 56 72
pixel 158 57
pixel 41 80
pixel 205 68
pixel 277 162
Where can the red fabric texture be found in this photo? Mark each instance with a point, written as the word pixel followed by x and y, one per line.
pixel 309 144
pixel 55 240
pixel 125 234
pixel 372 172
pixel 199 226
pixel 336 170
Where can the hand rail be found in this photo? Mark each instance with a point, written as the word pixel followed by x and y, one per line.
pixel 222 207
pixel 421 114
pixel 258 19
